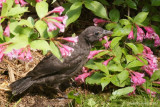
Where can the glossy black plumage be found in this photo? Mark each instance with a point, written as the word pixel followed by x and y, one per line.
pixel 52 70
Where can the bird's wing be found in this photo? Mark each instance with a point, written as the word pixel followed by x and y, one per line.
pixel 51 65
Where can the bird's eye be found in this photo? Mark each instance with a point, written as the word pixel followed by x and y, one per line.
pixel 96 33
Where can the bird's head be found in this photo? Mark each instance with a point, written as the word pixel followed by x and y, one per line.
pixel 94 33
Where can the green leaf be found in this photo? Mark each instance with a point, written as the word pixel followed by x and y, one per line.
pixel 155 75
pixel 156 18
pixel 123 76
pixel 155 2
pixel 97 8
pixel 90 64
pixel 31 20
pixel 110 26
pixel 25 22
pixel 41 45
pixel 17 30
pixel 55 51
pixel 118 54
pixel 95 78
pixel 42 9
pixel 124 22
pixel 130 58
pixel 74 12
pixel 9 3
pixel 4 11
pixel 140 47
pixel 42 28
pixel 102 67
pixel 91 102
pixel 101 54
pixel 131 4
pixel 140 17
pixel 116 81
pixel 115 41
pixel 104 2
pixel 73 1
pixel 105 81
pixel 115 67
pixel 17 10
pixel 114 15
pixel 135 63
pixel 121 92
pixel 17 43
pixel 1 32
pixel 118 2
pixel 133 47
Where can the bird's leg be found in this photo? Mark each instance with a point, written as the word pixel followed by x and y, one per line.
pixel 60 93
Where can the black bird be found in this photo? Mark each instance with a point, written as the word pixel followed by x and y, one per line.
pixel 52 71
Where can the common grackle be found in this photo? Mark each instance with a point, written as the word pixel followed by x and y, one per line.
pixel 52 71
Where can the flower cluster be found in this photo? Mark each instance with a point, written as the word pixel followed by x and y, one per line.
pixel 55 22
pixel 21 54
pixel 152 61
pixel 137 79
pixel 64 49
pixel 150 34
pixel 93 53
pixel 97 21
pixel 107 61
pixel 81 78
pixel 22 2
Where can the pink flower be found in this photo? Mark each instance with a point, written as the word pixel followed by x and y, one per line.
pixel 28 55
pixel 16 1
pixel 107 44
pixel 59 10
pixel 22 56
pixel 14 53
pixel 60 26
pixel 96 21
pixel 131 36
pixel 65 50
pixel 140 34
pixel 7 32
pixel 152 61
pixel 81 78
pixel 1 1
pixel 151 34
pixel 151 92
pixel 148 29
pixel 93 53
pixel 71 39
pixel 137 79
pixel 107 61
pixel 23 2
pixel 61 19
pixel 84 69
pixel 38 0
pixel 51 27
pixel 147 50
pixel 157 42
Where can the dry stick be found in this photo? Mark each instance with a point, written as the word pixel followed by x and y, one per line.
pixel 11 73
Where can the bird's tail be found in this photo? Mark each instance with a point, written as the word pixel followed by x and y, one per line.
pixel 21 85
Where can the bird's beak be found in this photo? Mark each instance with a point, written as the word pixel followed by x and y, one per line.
pixel 105 33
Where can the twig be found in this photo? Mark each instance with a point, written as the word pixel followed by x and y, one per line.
pixel 128 11
pixel 11 73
